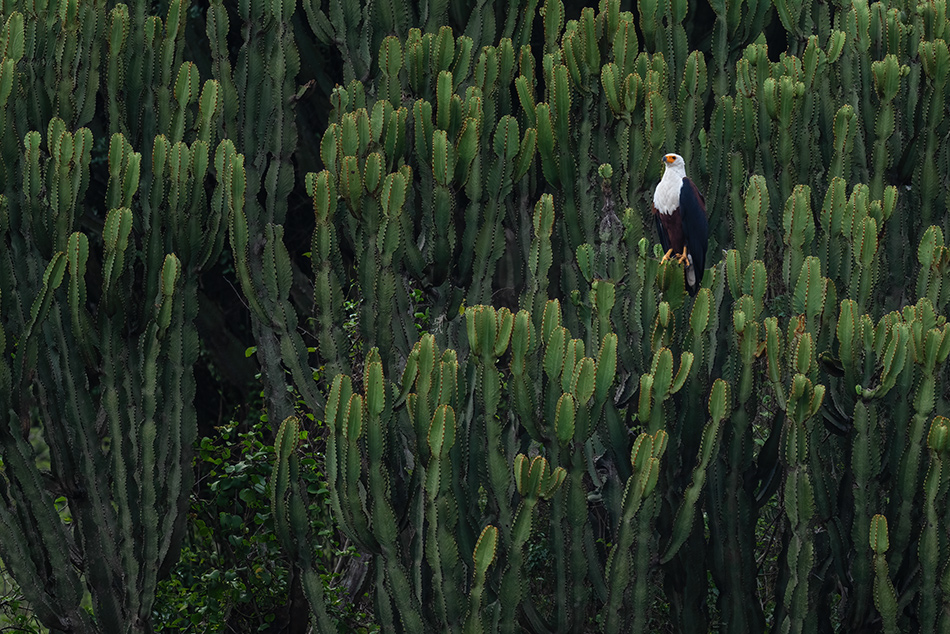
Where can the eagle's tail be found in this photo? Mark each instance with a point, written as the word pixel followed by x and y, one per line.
pixel 692 284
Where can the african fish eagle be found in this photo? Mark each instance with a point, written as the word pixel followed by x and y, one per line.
pixel 680 214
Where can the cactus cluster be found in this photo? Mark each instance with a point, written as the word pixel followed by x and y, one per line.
pixel 471 145
pixel 99 301
pixel 525 172
pixel 566 391
pixel 402 454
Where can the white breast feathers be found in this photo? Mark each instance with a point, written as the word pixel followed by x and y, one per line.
pixel 666 198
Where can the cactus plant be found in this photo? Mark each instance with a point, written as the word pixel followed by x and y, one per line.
pixel 102 359
pixel 800 314
pixel 468 163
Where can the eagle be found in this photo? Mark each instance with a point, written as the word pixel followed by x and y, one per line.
pixel 680 214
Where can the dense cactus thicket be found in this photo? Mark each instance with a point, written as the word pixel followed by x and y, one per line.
pixel 98 325
pixel 808 370
pixel 767 455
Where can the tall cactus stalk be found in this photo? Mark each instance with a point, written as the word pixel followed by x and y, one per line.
pixel 99 328
pixel 468 163
pixel 798 332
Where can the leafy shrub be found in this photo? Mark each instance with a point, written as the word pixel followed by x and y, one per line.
pixel 232 575
pixel 15 613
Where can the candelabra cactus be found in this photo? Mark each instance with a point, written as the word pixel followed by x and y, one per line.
pixel 719 406
pixel 803 401
pixel 425 417
pixel 645 458
pixel 471 165
pixel 289 507
pixel 448 421
pixel 930 551
pixel 114 310
pixel 797 332
pixel 885 595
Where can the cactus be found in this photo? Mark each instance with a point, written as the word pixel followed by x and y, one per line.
pixel 719 403
pixel 929 550
pixel 450 171
pixel 263 119
pixel 805 132
pixel 427 407
pixel 928 349
pixel 289 506
pixel 465 164
pixel 467 451
pixel 534 481
pixel 803 400
pixel 114 309
pixel 516 163
pixel 645 458
pixel 885 596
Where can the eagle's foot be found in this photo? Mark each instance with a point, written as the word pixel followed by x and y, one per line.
pixel 666 257
pixel 682 258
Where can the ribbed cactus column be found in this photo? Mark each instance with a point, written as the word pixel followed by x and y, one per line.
pixel 804 400
pixel 782 98
pixel 289 503
pixel 371 434
pixel 258 114
pixel 489 333
pixel 719 408
pixel 930 551
pixel 885 595
pixel 835 225
pixel 731 504
pixel 935 59
pixel 645 458
pixel 929 347
pixel 120 453
pixel 540 255
pixel 327 267
pixel 799 225
pixel 933 279
pixel 441 507
pixel 534 481
pixel 887 82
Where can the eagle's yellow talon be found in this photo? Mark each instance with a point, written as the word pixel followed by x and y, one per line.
pixel 682 258
pixel 667 256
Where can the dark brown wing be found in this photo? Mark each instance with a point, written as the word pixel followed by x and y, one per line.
pixel 695 228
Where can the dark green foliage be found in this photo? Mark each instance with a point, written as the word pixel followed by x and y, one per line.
pixel 232 576
pixel 801 154
pixel 482 162
pixel 15 612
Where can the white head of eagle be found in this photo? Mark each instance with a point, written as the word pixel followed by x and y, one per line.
pixel 680 214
